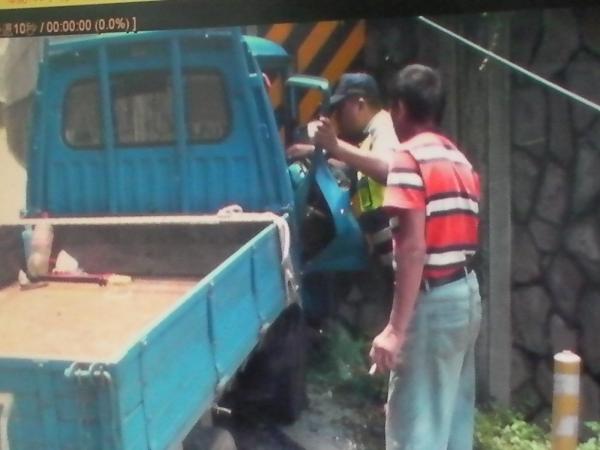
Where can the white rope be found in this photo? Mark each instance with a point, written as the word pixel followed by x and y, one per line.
pixel 236 213
pixel 512 65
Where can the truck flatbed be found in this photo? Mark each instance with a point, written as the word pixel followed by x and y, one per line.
pixel 83 322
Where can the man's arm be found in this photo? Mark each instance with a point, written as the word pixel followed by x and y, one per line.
pixel 301 150
pixel 410 251
pixel 369 163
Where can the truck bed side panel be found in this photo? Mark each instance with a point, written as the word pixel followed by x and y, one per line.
pixel 41 409
pixel 178 372
pixel 149 396
pixel 268 289
pixel 194 351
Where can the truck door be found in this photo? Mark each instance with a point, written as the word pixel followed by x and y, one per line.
pixel 322 198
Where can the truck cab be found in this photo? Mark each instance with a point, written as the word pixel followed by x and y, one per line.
pixel 153 123
pixel 174 122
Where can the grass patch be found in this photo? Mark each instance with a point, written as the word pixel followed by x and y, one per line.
pixel 503 429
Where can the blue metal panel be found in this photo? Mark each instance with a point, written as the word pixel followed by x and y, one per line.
pixel 130 401
pixel 77 186
pixel 74 181
pixel 233 312
pixel 233 297
pixel 148 181
pixel 267 289
pixel 128 374
pixel 36 198
pixel 267 52
pixel 270 133
pixel 180 124
pixel 134 430
pixel 247 167
pixel 112 178
pixel 177 372
pixel 50 411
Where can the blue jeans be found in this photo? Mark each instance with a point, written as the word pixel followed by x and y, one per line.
pixel 431 399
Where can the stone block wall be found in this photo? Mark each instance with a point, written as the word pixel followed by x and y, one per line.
pixel 555 177
pixel 555 201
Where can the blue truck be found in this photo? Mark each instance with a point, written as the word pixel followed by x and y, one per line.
pixel 158 156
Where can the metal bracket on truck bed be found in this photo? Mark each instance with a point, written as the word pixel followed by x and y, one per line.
pixel 97 373
pixel 88 371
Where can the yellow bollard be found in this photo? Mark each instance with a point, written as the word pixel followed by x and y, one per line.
pixel 565 404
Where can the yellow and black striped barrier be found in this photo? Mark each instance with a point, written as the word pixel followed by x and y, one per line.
pixel 565 404
pixel 327 49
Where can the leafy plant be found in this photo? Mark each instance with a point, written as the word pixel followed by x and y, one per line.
pixel 594 442
pixel 341 364
pixel 502 429
pixel 507 430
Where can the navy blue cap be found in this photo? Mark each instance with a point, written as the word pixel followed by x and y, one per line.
pixel 351 84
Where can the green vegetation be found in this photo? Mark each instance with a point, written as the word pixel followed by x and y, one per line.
pixel 507 430
pixel 339 365
pixel 500 429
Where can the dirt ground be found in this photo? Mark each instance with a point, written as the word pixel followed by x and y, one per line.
pixel 332 422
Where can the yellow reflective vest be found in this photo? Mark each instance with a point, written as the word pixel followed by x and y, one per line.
pixel 369 193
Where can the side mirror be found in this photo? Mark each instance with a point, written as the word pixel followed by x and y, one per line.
pixel 295 87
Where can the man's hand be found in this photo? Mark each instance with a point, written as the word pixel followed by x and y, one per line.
pixel 386 349
pixel 299 151
pixel 326 137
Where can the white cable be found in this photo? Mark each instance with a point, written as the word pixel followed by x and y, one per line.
pixel 510 64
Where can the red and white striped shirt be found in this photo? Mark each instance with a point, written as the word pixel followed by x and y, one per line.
pixel 430 173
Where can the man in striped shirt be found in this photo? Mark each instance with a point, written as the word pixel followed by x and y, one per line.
pixel 432 196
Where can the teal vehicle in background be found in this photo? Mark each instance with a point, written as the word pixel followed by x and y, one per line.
pixel 158 155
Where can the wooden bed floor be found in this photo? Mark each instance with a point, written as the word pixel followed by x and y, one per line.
pixel 82 322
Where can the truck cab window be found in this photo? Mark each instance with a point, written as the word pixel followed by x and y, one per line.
pixel 143 109
pixel 207 108
pixel 82 122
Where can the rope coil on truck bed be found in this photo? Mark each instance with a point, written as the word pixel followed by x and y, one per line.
pixel 237 213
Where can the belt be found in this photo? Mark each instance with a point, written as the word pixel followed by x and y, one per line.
pixel 429 284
